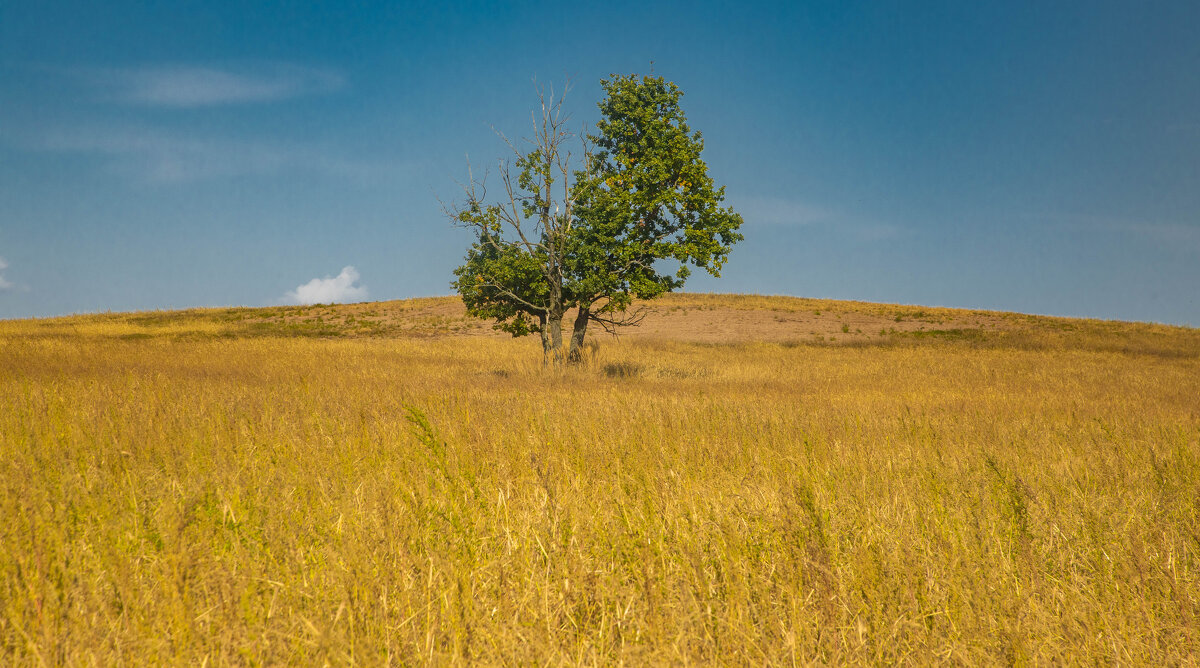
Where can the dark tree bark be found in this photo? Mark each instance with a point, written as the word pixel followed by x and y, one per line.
pixel 575 355
pixel 554 327
pixel 544 331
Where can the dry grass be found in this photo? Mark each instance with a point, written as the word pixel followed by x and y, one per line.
pixel 294 486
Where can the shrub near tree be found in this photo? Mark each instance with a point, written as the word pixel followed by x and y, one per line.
pixel 629 222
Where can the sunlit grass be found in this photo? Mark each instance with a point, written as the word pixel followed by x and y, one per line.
pixel 205 491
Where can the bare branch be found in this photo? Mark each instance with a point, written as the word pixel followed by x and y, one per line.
pixel 511 295
pixel 611 323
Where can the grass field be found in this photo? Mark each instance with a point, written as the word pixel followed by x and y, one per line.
pixel 744 480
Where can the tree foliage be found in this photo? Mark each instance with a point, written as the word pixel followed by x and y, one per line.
pixel 629 223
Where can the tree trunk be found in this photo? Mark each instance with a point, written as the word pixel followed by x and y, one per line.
pixel 575 356
pixel 553 331
pixel 545 333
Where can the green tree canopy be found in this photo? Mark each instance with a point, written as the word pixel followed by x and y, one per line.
pixel 629 223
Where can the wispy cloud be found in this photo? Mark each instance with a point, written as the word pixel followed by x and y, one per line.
pixel 1188 129
pixel 779 211
pixel 184 86
pixel 161 157
pixel 877 231
pixel 5 284
pixel 782 212
pixel 1177 236
pixel 329 290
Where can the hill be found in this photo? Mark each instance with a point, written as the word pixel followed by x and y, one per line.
pixel 687 318
pixel 751 480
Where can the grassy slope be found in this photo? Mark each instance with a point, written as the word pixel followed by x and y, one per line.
pixel 745 480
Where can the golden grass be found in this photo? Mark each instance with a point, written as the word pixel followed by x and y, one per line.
pixel 225 486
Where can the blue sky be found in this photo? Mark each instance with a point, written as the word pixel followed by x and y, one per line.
pixel 1037 157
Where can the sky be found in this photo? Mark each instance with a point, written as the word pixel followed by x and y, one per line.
pixel 1020 156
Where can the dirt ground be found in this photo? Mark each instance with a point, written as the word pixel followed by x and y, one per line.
pixel 686 317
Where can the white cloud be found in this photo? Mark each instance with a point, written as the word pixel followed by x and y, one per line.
pixel 329 290
pixel 4 284
pixel 183 86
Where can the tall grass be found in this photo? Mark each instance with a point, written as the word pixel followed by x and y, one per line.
pixel 270 499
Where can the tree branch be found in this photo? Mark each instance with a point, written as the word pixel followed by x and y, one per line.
pixel 512 295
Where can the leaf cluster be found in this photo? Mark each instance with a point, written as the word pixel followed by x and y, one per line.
pixel 648 196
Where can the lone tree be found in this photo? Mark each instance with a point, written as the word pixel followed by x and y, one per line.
pixel 596 237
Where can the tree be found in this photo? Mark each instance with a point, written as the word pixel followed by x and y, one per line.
pixel 598 237
pixel 515 271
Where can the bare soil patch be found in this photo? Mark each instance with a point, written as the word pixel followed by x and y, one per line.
pixel 686 317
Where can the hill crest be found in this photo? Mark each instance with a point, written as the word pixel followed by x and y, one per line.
pixel 691 318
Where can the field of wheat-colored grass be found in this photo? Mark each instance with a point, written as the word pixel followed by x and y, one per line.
pixel 745 480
